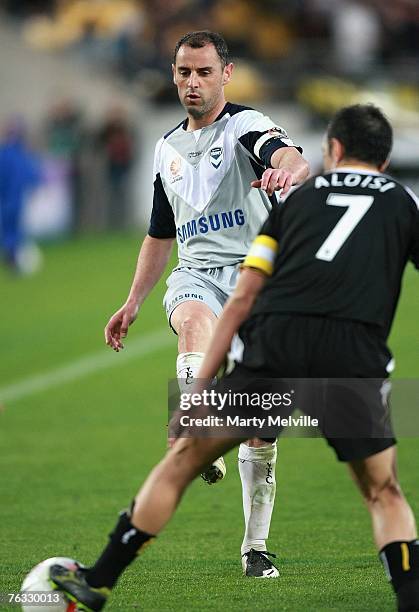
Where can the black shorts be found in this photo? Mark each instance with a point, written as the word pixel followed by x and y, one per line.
pixel 314 347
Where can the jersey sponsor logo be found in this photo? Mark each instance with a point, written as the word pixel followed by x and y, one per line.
pixel 184 296
pixel 175 168
pixel 216 157
pixel 211 223
pixel 194 154
pixel 355 180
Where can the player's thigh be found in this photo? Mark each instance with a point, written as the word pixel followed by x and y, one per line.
pixel 193 314
pixel 193 288
pixel 354 411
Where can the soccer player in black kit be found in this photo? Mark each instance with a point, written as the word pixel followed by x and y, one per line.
pixel 316 298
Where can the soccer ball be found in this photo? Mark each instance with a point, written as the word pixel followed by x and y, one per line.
pixel 37 593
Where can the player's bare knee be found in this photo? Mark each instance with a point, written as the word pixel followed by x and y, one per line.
pixel 385 492
pixel 192 325
pixel 169 475
pixel 185 460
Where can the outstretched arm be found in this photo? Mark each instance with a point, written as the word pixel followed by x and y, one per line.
pixel 234 313
pixel 152 260
pixel 288 168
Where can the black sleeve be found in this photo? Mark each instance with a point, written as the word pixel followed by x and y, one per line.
pixel 269 149
pixel 250 139
pixel 162 222
pixel 414 251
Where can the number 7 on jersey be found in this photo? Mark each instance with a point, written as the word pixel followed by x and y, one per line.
pixel 357 206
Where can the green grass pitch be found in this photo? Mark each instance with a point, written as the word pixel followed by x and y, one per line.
pixel 73 454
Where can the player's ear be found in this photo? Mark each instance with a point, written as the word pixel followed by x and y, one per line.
pixel 336 150
pixel 228 71
pixel 382 167
pixel 174 73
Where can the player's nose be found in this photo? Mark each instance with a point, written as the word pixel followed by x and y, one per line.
pixel 193 80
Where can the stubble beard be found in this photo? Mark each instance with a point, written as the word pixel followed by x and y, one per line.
pixel 198 112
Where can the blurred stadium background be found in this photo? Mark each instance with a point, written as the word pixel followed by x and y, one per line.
pixel 86 91
pixel 91 80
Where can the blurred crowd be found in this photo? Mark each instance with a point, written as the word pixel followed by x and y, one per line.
pixel 282 37
pixel 67 178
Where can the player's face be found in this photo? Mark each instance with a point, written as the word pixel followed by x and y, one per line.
pixel 200 79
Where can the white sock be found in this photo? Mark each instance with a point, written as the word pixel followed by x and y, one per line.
pixel 257 473
pixel 187 367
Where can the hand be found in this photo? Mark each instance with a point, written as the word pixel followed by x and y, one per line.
pixel 273 180
pixel 117 327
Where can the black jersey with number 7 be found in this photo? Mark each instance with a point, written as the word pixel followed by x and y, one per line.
pixel 344 239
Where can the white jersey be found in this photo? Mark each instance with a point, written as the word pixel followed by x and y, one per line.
pixel 202 192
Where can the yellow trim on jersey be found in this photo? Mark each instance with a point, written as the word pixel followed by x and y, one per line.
pixel 262 254
pixel 405 557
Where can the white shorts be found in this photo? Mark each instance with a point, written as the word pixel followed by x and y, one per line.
pixel 211 286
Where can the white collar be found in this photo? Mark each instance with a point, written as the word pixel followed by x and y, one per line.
pixel 354 170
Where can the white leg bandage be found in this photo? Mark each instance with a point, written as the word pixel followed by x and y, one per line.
pixel 187 367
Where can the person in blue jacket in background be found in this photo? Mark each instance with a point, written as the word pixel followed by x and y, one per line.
pixel 20 172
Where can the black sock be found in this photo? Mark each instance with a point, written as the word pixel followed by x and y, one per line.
pixel 401 562
pixel 125 543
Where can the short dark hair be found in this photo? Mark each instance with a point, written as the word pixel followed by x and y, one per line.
pixel 197 40
pixel 364 131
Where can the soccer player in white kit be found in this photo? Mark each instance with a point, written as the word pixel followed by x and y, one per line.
pixel 215 177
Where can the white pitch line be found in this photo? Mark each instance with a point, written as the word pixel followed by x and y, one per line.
pixel 140 347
